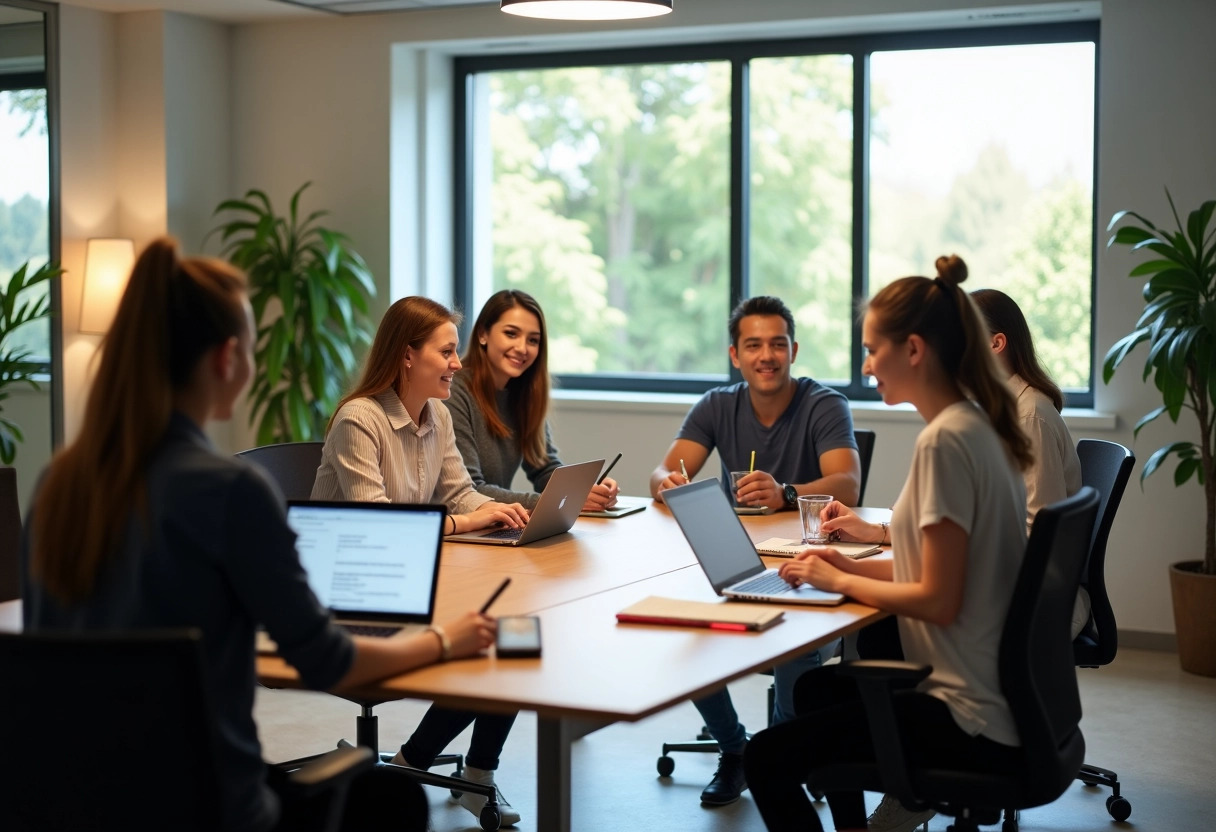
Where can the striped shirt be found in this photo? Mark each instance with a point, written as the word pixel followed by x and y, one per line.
pixel 374 452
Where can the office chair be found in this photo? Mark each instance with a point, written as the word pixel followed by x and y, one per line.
pixel 1038 680
pixel 115 732
pixel 293 467
pixel 1105 467
pixel 10 536
pixel 704 743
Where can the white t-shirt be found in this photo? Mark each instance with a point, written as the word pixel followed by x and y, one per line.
pixel 961 472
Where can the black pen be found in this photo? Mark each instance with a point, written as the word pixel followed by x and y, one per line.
pixel 486 606
pixel 609 468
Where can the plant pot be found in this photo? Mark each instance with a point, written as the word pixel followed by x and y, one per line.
pixel 1194 597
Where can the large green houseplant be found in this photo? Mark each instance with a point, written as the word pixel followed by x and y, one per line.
pixel 309 291
pixel 16 310
pixel 1179 324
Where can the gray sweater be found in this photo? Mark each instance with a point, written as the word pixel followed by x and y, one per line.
pixel 490 460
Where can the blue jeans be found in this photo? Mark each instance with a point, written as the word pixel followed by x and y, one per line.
pixel 439 726
pixel 718 711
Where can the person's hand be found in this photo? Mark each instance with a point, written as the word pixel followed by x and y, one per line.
pixel 512 515
pixel 469 634
pixel 842 521
pixel 602 496
pixel 822 569
pixel 759 489
pixel 674 479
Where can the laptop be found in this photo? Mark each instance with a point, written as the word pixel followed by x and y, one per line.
pixel 726 553
pixel 375 566
pixel 559 505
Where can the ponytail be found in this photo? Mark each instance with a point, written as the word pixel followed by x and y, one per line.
pixel 173 311
pixel 941 313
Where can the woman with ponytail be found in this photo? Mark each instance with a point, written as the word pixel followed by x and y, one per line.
pixel 958 536
pixel 141 524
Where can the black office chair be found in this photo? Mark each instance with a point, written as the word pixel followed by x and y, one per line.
pixel 10 536
pixel 88 720
pixel 1105 467
pixel 1038 680
pixel 704 743
pixel 293 467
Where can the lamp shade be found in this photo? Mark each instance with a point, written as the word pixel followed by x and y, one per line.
pixel 587 9
pixel 107 265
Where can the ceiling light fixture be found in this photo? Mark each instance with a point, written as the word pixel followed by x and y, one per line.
pixel 587 9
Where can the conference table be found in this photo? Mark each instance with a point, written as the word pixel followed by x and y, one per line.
pixel 595 671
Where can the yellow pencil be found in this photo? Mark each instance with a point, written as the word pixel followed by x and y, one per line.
pixel 752 467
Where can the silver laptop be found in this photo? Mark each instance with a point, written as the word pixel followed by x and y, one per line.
pixel 559 505
pixel 726 553
pixel 374 565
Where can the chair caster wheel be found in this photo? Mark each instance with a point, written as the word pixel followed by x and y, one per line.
pixel 816 795
pixel 1119 807
pixel 489 818
pixel 666 766
pixel 456 795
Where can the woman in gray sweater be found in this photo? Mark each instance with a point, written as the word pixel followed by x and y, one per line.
pixel 500 399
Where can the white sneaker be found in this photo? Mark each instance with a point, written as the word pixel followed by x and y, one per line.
pixel 475 802
pixel 891 816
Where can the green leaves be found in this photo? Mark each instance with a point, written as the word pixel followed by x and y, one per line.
pixel 309 291
pixel 18 307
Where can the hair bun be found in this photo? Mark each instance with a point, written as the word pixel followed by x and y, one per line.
pixel 951 269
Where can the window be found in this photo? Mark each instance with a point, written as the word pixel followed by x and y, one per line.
pixel 640 194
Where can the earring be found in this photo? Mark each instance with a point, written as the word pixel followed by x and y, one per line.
pixel 482 342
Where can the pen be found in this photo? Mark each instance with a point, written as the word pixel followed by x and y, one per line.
pixel 684 471
pixel 752 466
pixel 609 468
pixel 486 606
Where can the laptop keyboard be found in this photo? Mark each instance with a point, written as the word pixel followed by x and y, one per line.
pixel 505 534
pixel 371 630
pixel 769 583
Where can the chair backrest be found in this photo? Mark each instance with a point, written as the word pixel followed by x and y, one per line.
pixel 10 536
pixel 292 465
pixel 106 732
pixel 1036 664
pixel 865 449
pixel 1105 467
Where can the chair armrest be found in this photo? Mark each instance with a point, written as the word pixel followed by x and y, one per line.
pixel 332 771
pixel 878 682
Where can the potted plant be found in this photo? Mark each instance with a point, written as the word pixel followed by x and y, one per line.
pixel 309 291
pixel 15 364
pixel 1179 324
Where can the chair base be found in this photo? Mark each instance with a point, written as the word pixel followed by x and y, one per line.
pixel 1119 807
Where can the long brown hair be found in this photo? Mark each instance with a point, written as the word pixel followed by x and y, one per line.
pixel 408 323
pixel 174 310
pixel 941 313
pixel 528 395
pixel 1003 315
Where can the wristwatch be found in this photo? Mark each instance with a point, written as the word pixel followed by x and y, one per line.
pixel 790 494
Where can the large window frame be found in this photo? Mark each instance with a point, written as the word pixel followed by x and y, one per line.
pixel 739 54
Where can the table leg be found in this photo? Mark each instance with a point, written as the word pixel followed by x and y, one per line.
pixel 553 738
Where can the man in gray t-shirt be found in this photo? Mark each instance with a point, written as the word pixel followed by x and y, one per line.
pixel 802 435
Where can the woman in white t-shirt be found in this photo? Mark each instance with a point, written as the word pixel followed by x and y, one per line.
pixel 958 534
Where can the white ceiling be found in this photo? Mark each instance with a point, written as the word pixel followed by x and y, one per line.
pixel 244 11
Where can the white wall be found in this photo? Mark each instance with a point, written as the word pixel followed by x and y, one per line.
pixel 322 100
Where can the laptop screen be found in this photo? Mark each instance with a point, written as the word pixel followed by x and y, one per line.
pixel 377 561
pixel 715 534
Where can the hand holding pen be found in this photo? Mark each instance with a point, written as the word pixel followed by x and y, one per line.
pixel 604 492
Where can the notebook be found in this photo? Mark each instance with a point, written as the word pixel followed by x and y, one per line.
pixel 717 616
pixel 726 553
pixel 556 512
pixel 783 547
pixel 375 566
pixel 624 505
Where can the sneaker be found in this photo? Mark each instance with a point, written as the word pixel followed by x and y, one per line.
pixel 475 802
pixel 891 816
pixel 728 783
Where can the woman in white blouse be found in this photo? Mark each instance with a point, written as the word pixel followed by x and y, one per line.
pixel 389 441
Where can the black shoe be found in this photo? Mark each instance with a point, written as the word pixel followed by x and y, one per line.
pixel 728 783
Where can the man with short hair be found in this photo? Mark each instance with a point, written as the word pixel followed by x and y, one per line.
pixel 802 435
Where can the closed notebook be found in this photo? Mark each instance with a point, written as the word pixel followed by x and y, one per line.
pixel 782 547
pixel 717 616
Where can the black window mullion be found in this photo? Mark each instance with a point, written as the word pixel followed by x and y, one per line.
pixel 861 212
pixel 740 189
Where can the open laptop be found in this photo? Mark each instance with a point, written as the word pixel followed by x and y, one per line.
pixel 374 565
pixel 559 505
pixel 726 553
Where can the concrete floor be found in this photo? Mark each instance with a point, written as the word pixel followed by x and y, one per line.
pixel 1144 718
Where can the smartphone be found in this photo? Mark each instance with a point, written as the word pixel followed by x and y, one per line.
pixel 518 637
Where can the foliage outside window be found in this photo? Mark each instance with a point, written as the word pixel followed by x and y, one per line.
pixel 639 194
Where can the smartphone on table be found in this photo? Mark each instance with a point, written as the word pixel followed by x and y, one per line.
pixel 518 637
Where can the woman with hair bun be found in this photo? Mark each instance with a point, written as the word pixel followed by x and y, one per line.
pixel 958 535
